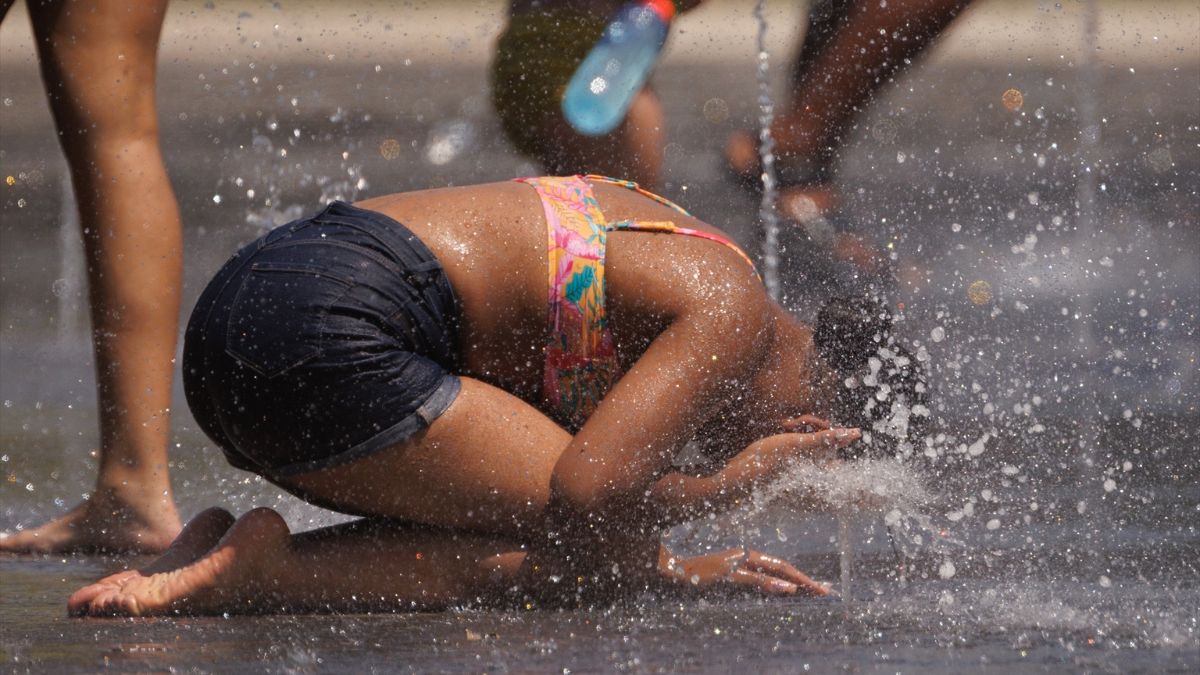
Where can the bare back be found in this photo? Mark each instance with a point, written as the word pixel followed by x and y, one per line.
pixel 491 239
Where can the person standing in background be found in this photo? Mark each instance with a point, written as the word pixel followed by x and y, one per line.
pixel 536 55
pixel 851 49
pixel 98 62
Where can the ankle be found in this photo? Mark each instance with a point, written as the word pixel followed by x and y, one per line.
pixel 147 497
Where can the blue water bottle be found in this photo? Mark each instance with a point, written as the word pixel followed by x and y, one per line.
pixel 603 86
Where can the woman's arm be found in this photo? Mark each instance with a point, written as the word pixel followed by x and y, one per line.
pixel 709 350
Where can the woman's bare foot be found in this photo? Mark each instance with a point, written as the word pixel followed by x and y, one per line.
pixel 198 537
pixel 226 577
pixel 109 522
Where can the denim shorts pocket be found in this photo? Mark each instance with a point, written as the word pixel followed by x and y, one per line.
pixel 277 319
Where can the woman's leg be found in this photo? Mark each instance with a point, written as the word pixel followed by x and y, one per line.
pixel 98 62
pixel 483 466
pixel 852 48
pixel 257 566
pixel 860 48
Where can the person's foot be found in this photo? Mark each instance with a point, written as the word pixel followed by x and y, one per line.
pixel 198 537
pixel 106 523
pixel 805 200
pixel 792 168
pixel 226 577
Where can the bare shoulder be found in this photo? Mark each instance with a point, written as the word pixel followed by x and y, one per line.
pixel 656 278
pixel 507 200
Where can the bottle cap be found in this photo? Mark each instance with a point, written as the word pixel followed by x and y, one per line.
pixel 665 9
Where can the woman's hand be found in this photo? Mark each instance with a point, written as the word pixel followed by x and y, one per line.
pixel 678 496
pixel 738 569
pixel 812 439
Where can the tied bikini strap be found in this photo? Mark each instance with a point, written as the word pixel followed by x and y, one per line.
pixel 665 226
pixel 638 189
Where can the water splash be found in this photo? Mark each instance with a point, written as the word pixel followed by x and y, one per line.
pixel 857 492
pixel 860 487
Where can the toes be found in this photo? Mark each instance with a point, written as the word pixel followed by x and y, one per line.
pixel 81 601
pixel 198 537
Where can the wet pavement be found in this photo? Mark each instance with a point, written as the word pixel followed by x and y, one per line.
pixel 1061 556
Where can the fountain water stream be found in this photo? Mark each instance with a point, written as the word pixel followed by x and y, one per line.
pixel 766 149
pixel 1085 231
pixel 770 224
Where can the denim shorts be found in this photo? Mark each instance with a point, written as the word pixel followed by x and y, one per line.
pixel 324 341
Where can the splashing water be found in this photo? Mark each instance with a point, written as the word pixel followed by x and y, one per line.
pixel 860 487
pixel 857 491
pixel 1086 221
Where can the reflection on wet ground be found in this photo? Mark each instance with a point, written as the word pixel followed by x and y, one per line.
pixel 1031 553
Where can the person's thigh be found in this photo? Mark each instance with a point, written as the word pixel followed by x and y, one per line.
pixel 484 465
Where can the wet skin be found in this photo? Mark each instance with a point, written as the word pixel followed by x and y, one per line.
pixel 501 490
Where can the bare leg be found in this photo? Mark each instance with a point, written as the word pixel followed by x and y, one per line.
pixel 98 61
pixel 258 567
pixel 851 49
pixel 484 465
pixel 863 53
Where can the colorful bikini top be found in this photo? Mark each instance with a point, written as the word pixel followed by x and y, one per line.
pixel 581 358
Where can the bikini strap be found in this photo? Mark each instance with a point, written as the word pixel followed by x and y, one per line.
pixel 668 227
pixel 636 188
pixel 665 226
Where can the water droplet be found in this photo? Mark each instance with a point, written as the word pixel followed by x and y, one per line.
pixel 716 110
pixel 884 131
pixel 389 149
pixel 946 569
pixel 937 334
pixel 1012 100
pixel 979 292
